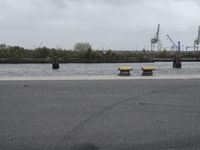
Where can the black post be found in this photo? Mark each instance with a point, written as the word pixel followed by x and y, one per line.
pixel 55 64
pixel 177 62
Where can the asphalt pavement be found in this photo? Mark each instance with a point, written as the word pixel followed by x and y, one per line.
pixel 100 115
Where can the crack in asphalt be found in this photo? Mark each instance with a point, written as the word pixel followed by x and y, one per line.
pixel 108 108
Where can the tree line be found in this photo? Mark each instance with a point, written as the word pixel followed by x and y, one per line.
pixel 83 52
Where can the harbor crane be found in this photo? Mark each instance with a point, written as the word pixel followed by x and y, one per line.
pixel 189 47
pixel 156 40
pixel 177 47
pixel 197 41
pixel 177 62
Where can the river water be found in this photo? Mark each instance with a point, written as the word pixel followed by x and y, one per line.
pixel 36 70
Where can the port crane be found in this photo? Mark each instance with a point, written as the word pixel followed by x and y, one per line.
pixel 156 40
pixel 197 41
pixel 189 47
pixel 177 47
pixel 177 62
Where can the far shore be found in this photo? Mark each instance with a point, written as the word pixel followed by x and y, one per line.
pixel 49 61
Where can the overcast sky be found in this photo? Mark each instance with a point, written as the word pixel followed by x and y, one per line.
pixel 108 24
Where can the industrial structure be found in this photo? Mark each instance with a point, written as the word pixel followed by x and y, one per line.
pixel 197 41
pixel 174 46
pixel 156 42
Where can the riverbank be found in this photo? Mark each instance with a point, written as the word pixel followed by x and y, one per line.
pixel 16 54
pixel 49 61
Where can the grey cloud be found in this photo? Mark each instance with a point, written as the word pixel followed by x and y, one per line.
pixel 105 23
pixel 60 4
pixel 109 2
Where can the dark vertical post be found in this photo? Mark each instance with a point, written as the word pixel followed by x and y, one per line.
pixel 55 64
pixel 177 62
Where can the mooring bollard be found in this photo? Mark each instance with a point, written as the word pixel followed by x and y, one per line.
pixel 125 71
pixel 177 62
pixel 55 64
pixel 148 70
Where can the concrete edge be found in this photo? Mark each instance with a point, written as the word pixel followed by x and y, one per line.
pixel 74 78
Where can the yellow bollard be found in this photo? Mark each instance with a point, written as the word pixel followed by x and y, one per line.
pixel 148 70
pixel 125 71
